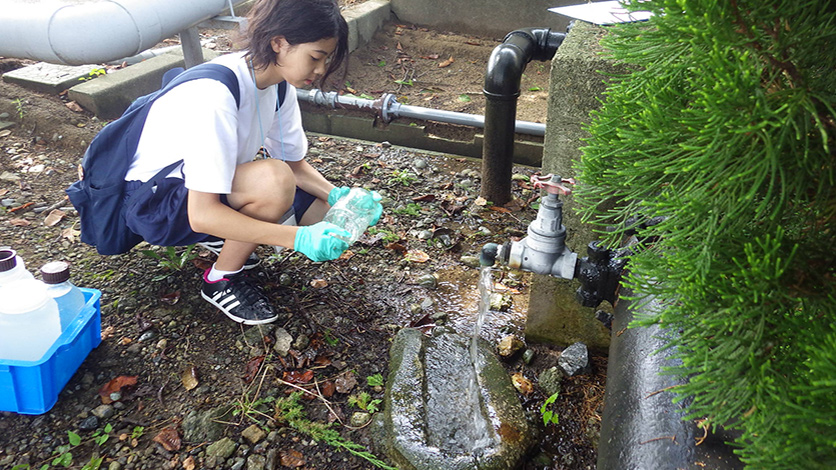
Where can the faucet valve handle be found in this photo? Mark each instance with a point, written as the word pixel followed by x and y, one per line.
pixel 553 184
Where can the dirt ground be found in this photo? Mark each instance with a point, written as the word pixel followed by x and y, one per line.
pixel 415 268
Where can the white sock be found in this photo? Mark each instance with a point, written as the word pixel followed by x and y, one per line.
pixel 216 274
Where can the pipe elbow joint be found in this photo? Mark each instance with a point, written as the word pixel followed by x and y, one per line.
pixel 508 60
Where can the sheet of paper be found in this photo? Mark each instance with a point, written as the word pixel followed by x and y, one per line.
pixel 602 13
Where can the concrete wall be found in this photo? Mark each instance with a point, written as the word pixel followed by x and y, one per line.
pixel 494 18
pixel 577 82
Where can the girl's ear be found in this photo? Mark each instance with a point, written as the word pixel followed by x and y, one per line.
pixel 278 43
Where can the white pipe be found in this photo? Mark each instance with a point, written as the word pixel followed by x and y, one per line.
pixel 77 32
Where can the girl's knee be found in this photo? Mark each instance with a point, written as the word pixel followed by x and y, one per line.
pixel 264 186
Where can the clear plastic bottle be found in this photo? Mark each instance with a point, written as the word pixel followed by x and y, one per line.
pixel 353 212
pixel 12 267
pixel 29 320
pixel 70 299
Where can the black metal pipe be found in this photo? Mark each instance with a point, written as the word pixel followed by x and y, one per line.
pixel 641 427
pixel 502 88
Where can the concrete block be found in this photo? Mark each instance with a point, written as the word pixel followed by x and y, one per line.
pixel 109 96
pixel 44 77
pixel 364 20
pixel 487 18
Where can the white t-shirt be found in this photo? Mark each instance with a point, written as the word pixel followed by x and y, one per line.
pixel 199 123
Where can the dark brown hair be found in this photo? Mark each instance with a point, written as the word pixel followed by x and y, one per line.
pixel 299 22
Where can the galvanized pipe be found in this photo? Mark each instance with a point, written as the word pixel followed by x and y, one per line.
pixel 388 108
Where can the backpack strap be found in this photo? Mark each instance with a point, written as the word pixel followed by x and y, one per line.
pixel 282 91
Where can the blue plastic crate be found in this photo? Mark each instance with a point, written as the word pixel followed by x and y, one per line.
pixel 32 387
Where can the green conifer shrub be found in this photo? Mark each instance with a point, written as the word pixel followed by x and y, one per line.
pixel 725 128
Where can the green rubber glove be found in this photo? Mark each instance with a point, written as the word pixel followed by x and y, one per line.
pixel 336 194
pixel 318 242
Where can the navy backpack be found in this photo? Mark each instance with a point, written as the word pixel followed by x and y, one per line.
pixel 99 195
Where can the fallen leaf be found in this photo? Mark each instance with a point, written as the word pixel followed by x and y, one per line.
pixel 107 333
pixel 20 208
pixel 75 107
pixel 4 133
pixel 188 378
pixel 446 63
pixel 124 341
pixel 430 57
pixel 189 464
pixel 345 382
pixel 417 256
pixel 116 385
pixel 252 368
pixel 522 384
pixel 319 283
pixel 480 201
pixel 171 298
pixel 20 222
pixel 54 217
pixel 327 389
pixel 292 458
pixel 424 198
pixel 70 233
pixel 396 247
pixel 500 209
pixel 298 376
pixel 202 264
pixel 169 438
pixel 347 255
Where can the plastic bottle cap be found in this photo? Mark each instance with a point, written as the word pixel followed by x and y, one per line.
pixel 55 272
pixel 8 260
pixel 23 296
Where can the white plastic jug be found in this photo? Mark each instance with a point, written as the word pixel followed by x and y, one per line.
pixel 29 320
pixel 12 267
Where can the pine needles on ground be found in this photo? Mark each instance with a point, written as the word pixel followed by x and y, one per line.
pixel 725 128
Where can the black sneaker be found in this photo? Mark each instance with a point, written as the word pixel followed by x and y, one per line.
pixel 215 244
pixel 239 298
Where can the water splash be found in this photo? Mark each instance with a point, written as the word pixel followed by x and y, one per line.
pixel 481 431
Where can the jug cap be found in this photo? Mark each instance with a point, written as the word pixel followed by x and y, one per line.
pixel 55 272
pixel 23 296
pixel 8 259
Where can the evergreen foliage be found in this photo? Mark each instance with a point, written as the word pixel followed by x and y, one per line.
pixel 725 128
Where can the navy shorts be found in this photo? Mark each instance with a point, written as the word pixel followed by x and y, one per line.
pixel 161 217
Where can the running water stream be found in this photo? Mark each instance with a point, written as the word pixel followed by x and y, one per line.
pixel 481 431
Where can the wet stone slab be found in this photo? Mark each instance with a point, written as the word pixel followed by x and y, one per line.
pixel 432 417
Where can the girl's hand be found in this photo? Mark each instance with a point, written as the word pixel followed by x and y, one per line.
pixel 319 242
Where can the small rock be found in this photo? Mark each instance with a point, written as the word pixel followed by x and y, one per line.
pixel 238 465
pixel 605 318
pixel 574 360
pixel 115 465
pixel 302 341
pixel 466 183
pixel 89 424
pixel 254 434
pixel 500 302
pixel 528 356
pixel 419 163
pixel 283 342
pixel 429 281
pixel 256 462
pixel 425 235
pixel 427 303
pixel 550 380
pixel 285 279
pixel 115 396
pixel 146 336
pixel 470 261
pixel 360 418
pixel 103 411
pixel 509 345
pixel 385 144
pixel 221 449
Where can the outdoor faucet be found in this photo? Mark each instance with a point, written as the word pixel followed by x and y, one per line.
pixel 544 250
